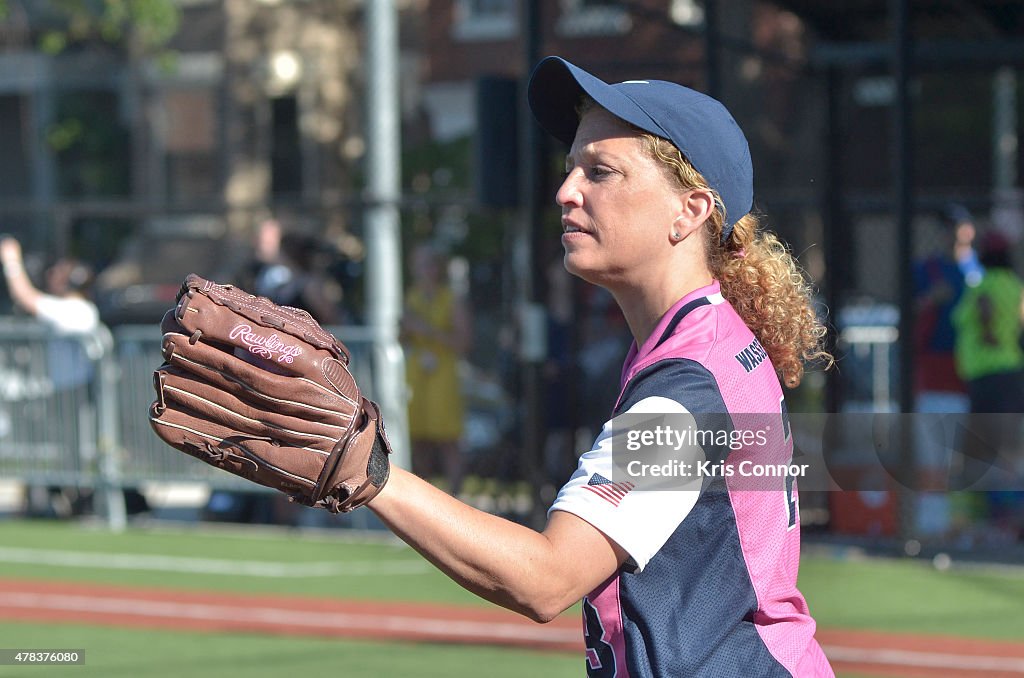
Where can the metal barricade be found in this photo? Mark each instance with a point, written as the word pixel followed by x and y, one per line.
pixel 53 430
pixel 868 338
pixel 74 411
pixel 47 405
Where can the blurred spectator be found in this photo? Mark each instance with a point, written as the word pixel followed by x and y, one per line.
pixel 294 269
pixel 260 274
pixel 310 285
pixel 436 333
pixel 962 224
pixel 939 282
pixel 940 279
pixel 604 339
pixel 559 374
pixel 988 330
pixel 291 269
pixel 66 308
pixel 64 305
pixel 988 322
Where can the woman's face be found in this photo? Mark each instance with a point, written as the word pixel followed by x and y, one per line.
pixel 617 204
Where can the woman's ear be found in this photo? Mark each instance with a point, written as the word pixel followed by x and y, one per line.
pixel 696 207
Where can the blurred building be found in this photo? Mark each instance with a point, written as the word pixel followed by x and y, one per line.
pixel 255 106
pixel 866 119
pixel 758 48
pixel 153 160
pixel 158 160
pixel 124 155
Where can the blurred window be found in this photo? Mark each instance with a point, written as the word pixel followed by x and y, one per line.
pixel 285 147
pixel 190 144
pixel 484 19
pixel 91 144
pixel 593 17
pixel 15 131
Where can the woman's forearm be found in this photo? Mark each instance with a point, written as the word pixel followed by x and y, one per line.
pixel 535 574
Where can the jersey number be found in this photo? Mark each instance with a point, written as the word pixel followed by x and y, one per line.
pixel 792 510
pixel 600 655
pixel 791 502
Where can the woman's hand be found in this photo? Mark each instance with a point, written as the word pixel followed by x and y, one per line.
pixel 10 252
pixel 10 256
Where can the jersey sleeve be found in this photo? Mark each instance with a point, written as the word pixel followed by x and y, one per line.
pixel 639 521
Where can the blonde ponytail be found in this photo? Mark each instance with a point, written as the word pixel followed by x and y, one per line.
pixel 758 275
pixel 767 287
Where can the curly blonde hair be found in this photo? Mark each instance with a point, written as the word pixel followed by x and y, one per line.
pixel 758 275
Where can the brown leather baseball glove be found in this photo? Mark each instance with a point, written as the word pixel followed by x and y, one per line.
pixel 264 392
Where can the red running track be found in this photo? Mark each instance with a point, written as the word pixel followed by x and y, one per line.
pixel 863 652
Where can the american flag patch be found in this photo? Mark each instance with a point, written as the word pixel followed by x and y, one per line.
pixel 611 492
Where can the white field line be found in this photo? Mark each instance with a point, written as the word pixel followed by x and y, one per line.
pixel 441 628
pixel 917 659
pixel 252 568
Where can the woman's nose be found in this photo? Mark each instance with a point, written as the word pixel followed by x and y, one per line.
pixel 568 193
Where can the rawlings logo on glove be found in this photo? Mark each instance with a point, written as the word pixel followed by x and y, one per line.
pixel 264 392
pixel 265 347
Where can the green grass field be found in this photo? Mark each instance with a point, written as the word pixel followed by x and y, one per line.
pixel 417 582
pixel 912 596
pixel 134 653
pixel 906 596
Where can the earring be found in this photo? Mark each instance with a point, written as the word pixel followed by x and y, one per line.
pixel 676 235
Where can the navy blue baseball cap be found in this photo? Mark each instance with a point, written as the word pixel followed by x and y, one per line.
pixel 698 125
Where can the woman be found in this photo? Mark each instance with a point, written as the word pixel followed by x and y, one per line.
pixel 692 581
pixel 436 334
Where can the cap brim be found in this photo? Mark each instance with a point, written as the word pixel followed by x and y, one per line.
pixel 556 87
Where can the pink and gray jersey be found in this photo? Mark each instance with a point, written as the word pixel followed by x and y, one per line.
pixel 709 588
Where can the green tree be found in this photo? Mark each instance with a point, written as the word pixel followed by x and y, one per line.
pixel 150 23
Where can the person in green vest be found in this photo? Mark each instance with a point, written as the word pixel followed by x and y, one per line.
pixel 987 321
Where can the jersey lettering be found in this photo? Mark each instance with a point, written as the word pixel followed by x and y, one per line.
pixel 751 356
pixel 600 654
